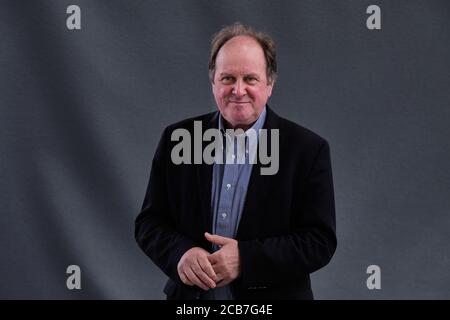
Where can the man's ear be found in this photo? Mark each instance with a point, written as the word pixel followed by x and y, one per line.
pixel 270 88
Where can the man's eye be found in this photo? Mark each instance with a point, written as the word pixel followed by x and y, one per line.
pixel 252 80
pixel 227 79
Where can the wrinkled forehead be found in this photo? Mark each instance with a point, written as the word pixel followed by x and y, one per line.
pixel 241 55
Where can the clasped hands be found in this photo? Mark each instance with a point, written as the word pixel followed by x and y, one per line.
pixel 210 270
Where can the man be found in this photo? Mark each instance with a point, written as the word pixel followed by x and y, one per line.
pixel 226 230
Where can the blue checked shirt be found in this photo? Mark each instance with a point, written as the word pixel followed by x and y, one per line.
pixel 229 189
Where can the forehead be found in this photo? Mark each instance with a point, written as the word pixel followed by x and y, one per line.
pixel 241 54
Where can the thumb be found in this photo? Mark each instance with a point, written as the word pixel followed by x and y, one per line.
pixel 216 239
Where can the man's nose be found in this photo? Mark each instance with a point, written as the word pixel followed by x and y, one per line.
pixel 239 88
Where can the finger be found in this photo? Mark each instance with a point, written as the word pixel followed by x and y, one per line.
pixel 185 280
pixel 203 276
pixel 224 278
pixel 220 272
pixel 207 268
pixel 195 280
pixel 216 239
pixel 220 278
pixel 223 283
pixel 216 259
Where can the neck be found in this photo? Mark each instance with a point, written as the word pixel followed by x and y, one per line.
pixel 244 127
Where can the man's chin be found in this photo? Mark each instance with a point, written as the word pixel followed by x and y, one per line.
pixel 240 107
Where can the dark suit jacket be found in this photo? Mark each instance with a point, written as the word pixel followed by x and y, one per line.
pixel 287 228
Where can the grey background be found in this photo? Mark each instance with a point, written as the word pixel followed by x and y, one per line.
pixel 82 111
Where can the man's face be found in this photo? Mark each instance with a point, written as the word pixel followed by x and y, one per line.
pixel 240 84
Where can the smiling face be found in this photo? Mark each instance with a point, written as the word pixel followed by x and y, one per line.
pixel 240 85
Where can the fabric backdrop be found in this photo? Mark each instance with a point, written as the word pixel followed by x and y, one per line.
pixel 82 112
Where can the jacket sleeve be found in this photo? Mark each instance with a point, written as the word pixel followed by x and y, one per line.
pixel 310 245
pixel 155 231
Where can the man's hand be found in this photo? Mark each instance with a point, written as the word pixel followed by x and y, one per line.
pixel 194 268
pixel 226 261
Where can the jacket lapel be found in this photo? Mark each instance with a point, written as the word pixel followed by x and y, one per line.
pixel 257 186
pixel 204 178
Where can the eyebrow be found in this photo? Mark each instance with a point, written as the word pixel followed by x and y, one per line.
pixel 247 75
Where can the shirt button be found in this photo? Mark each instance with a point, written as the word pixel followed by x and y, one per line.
pixel 228 186
pixel 224 215
pixel 233 156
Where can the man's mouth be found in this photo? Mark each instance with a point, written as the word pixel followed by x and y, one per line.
pixel 239 102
